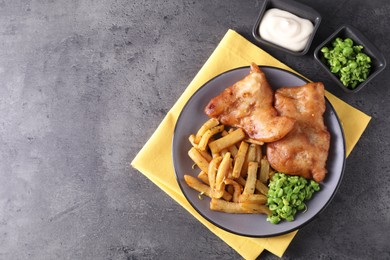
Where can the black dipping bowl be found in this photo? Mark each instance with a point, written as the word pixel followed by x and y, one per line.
pixel 293 7
pixel 378 62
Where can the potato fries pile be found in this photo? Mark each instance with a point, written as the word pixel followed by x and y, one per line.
pixel 233 171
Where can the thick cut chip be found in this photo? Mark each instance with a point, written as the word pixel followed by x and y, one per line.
pixel 248 104
pixel 304 150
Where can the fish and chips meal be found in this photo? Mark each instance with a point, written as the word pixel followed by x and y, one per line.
pixel 261 151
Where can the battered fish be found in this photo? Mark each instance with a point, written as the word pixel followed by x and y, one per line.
pixel 304 150
pixel 248 104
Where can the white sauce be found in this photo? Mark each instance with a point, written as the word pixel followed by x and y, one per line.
pixel 285 29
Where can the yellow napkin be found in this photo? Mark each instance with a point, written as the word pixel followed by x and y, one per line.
pixel 155 159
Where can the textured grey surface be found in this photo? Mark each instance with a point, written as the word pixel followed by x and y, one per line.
pixel 83 85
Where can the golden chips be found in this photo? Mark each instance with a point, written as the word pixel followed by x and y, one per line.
pixel 233 171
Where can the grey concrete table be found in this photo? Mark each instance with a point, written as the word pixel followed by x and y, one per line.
pixel 84 84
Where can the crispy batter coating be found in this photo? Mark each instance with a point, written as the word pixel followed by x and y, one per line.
pixel 248 104
pixel 304 150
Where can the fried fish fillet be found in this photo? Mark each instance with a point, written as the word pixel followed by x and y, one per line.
pixel 304 150
pixel 248 104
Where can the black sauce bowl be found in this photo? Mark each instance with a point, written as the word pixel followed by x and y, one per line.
pixel 296 8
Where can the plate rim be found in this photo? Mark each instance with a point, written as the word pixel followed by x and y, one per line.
pixel 342 170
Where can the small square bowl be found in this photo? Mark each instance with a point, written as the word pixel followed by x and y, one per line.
pixel 378 62
pixel 296 8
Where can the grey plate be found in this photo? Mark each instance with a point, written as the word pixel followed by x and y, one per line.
pixel 192 117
